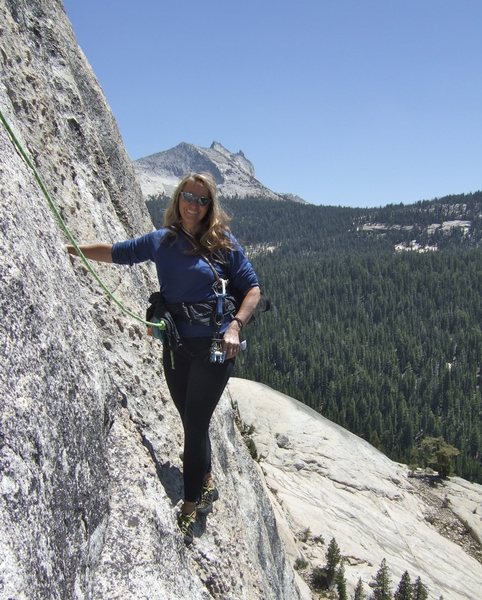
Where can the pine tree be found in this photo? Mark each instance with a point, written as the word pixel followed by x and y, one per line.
pixel 333 557
pixel 419 590
pixel 359 591
pixel 439 455
pixel 404 590
pixel 341 583
pixel 381 587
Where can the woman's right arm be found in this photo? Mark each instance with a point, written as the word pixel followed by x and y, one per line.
pixel 98 252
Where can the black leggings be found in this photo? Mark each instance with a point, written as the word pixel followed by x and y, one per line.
pixel 196 386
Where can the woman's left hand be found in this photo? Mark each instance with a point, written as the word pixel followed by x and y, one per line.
pixel 231 341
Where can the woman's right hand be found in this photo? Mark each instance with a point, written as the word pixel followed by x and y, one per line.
pixel 97 252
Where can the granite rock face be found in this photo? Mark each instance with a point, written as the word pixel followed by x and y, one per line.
pixel 89 439
pixel 327 483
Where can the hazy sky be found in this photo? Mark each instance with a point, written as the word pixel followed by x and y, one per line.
pixel 344 102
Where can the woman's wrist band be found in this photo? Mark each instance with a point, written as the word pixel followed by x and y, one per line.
pixel 239 322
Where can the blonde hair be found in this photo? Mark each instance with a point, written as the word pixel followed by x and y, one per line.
pixel 212 236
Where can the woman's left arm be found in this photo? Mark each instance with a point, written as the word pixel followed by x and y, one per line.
pixel 231 336
pixel 248 306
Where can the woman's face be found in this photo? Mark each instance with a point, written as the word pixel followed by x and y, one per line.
pixel 192 213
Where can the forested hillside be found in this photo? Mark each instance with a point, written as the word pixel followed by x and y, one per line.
pixel 377 317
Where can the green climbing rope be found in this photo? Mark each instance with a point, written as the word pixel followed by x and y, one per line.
pixel 18 146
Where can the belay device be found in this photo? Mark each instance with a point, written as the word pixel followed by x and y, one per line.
pixel 217 354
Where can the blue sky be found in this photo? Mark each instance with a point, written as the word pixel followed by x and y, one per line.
pixel 343 102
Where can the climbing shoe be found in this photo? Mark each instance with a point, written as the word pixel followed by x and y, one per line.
pixel 186 525
pixel 209 494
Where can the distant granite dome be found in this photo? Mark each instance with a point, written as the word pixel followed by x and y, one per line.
pixel 159 173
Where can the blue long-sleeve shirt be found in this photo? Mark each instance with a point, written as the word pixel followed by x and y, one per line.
pixel 184 277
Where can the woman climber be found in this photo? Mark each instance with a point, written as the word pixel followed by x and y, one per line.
pixel 200 266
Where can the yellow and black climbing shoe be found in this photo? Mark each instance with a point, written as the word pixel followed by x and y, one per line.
pixel 209 494
pixel 186 525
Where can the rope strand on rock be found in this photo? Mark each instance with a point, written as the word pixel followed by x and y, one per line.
pixel 21 151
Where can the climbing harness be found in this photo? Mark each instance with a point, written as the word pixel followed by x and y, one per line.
pixel 224 305
pixel 159 325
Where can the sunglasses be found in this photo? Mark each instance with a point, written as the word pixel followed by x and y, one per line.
pixel 192 198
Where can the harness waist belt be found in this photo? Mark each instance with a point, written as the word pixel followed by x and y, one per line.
pixel 200 313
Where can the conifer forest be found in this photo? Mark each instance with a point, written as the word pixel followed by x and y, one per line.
pixel 376 317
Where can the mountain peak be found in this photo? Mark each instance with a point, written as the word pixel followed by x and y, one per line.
pixel 159 173
pixel 223 150
pixel 219 147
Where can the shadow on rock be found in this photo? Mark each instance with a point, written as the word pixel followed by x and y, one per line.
pixel 171 479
